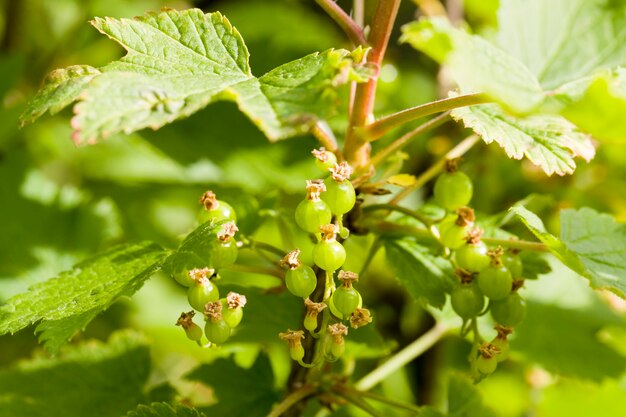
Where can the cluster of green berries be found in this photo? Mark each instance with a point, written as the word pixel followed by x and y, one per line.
pixel 484 273
pixel 199 269
pixel 321 214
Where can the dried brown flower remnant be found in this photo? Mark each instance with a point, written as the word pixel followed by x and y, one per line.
pixel 313 189
pixel 227 231
pixel 293 337
pixel 338 331
pixel 321 154
pixel 201 275
pixel 341 172
pixel 209 200
pixel 186 319
pixel 347 278
pixel 329 231
pixel 235 300
pixel 313 308
pixel 360 317
pixel 213 311
pixel 291 260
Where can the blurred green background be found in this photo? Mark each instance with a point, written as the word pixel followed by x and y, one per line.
pixel 60 203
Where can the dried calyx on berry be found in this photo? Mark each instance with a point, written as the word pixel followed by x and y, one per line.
pixel 312 311
pixel 486 363
pixel 341 172
pixel 227 232
pixel 312 212
pixel 337 331
pixel 340 195
pixel 192 330
pixel 216 329
pixel 236 300
pixel 496 256
pixel 300 279
pixel 214 209
pixel 232 308
pixel 203 291
pixel 294 339
pixel 347 278
pixel 213 311
pixel 360 317
pixel 324 160
pixel 329 232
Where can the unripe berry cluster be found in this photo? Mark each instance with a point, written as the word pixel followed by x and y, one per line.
pixel 321 214
pixel 197 270
pixel 483 272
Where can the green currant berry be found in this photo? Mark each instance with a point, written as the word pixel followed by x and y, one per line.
pixel 337 349
pixel 194 332
pixel 472 257
pixel 514 263
pixel 467 301
pixel 346 300
pixel 202 293
pixel 217 332
pixel 296 353
pixel 310 323
pixel 336 312
pixel 179 264
pixel 301 281
pixel 311 215
pixel 232 316
pixel 339 196
pixel 453 190
pixel 495 282
pixel 224 254
pixel 451 235
pixel 215 210
pixel 509 311
pixel 329 255
pixel 503 347
pixel 324 160
pixel 486 366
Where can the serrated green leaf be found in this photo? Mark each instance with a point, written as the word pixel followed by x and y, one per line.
pixel 240 392
pixel 426 277
pixel 591 244
pixel 164 410
pixel 93 379
pixel 66 304
pixel 60 88
pixel 600 110
pixel 178 62
pixel 476 64
pixel 563 40
pixel 548 141
pixel 464 400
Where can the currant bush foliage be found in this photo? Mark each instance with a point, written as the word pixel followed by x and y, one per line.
pixel 551 76
pixel 178 62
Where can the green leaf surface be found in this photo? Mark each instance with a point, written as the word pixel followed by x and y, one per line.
pixel 548 141
pixel 592 244
pixel 561 41
pixel 178 62
pixel 60 88
pixel 240 392
pixel 427 277
pixel 600 110
pixel 476 64
pixel 66 304
pixel 164 410
pixel 93 379
pixel 464 400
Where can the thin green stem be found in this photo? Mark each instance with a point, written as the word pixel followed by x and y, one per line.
pixel 345 22
pixel 292 399
pixel 256 269
pixel 425 234
pixel 516 244
pixel 357 151
pixel 392 207
pixel 255 244
pixel 405 139
pixel 403 357
pixel 380 398
pixel 456 152
pixel 370 257
pixel 382 126
pixel 325 136
pixel 362 404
